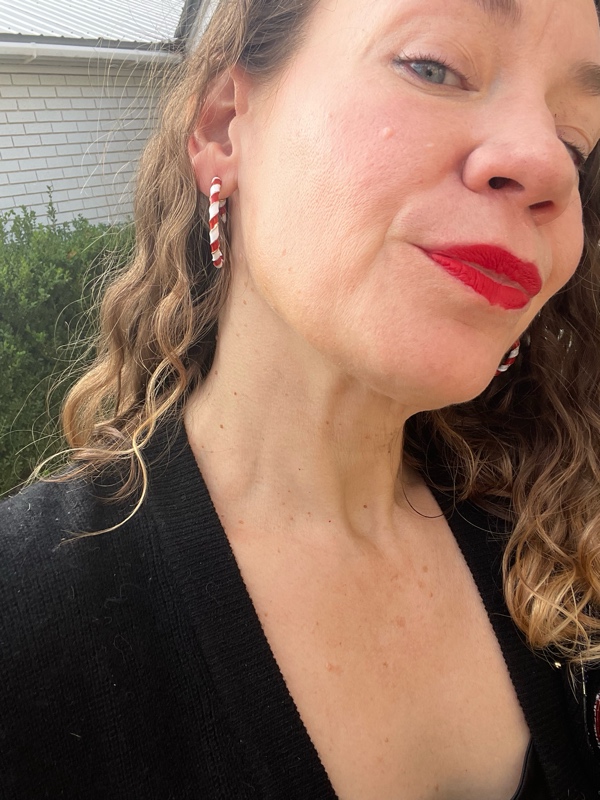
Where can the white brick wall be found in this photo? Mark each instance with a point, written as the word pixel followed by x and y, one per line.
pixel 78 128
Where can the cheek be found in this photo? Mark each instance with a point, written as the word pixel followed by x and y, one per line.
pixel 568 246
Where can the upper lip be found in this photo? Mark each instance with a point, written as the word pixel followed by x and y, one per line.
pixel 496 259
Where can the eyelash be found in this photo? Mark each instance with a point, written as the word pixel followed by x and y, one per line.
pixel 581 156
pixel 405 61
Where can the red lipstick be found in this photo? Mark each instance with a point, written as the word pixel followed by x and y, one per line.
pixel 482 267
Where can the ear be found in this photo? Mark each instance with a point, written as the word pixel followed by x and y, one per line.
pixel 211 149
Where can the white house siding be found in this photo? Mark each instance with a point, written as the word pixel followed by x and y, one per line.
pixel 79 128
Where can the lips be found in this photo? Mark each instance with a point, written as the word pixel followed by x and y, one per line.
pixel 511 284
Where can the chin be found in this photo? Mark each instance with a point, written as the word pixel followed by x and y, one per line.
pixel 429 390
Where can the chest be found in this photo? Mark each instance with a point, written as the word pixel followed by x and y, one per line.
pixel 393 666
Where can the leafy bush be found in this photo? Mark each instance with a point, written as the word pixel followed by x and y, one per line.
pixel 46 269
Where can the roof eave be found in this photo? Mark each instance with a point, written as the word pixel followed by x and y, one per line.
pixel 25 49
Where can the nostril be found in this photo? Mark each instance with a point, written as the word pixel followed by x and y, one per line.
pixel 498 183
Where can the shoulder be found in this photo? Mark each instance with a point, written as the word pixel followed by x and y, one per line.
pixel 56 584
pixel 40 526
pixel 47 510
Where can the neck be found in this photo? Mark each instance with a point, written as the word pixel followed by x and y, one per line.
pixel 276 426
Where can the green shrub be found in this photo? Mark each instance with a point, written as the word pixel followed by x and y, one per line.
pixel 47 273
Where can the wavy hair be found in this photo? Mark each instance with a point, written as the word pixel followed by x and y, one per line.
pixel 527 449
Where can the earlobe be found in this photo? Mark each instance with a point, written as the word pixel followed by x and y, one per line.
pixel 210 146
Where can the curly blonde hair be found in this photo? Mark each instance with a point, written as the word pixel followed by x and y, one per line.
pixel 526 449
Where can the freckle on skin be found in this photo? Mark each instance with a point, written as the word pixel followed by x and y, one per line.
pixel 335 668
pixel 400 622
pixel 425 568
pixel 365 506
pixel 240 521
pixel 222 427
pixel 420 584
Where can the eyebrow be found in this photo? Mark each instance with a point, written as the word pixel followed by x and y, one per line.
pixel 509 9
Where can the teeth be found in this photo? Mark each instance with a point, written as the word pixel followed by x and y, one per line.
pixel 495 276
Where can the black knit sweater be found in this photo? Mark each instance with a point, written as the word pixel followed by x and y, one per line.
pixel 134 667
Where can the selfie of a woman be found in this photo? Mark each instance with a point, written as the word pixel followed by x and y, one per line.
pixel 330 522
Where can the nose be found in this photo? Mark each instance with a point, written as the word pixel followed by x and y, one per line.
pixel 521 158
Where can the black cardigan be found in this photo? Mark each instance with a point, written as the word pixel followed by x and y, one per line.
pixel 134 666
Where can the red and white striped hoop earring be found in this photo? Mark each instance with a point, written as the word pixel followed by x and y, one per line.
pixel 217 213
pixel 510 358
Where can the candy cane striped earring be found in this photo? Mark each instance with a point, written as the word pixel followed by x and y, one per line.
pixel 510 358
pixel 217 213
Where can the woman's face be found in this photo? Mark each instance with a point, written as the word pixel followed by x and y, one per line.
pixel 402 129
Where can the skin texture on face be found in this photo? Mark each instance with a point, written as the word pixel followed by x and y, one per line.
pixel 365 151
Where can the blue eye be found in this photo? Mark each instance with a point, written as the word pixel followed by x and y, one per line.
pixel 430 71
pixel 433 71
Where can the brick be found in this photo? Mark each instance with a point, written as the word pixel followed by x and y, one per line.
pixel 72 115
pixel 53 80
pixel 13 130
pixel 60 161
pixel 5 141
pixel 30 140
pixel 95 180
pixel 60 195
pixel 67 149
pixel 43 151
pixel 61 185
pixel 22 177
pixel 84 102
pixel 8 104
pixel 7 190
pixel 21 116
pixel 10 165
pixel 87 126
pixel 117 158
pixel 5 79
pixel 40 127
pixel 73 172
pixel 76 206
pixel 50 174
pixel 42 91
pixel 17 153
pixel 14 91
pixel 25 79
pixel 69 135
pixel 53 138
pixel 57 103
pixel 68 91
pixel 30 104
pixel 76 79
pixel 29 199
pixel 48 116
pixel 37 163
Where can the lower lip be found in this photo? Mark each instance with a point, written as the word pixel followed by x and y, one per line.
pixel 497 294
